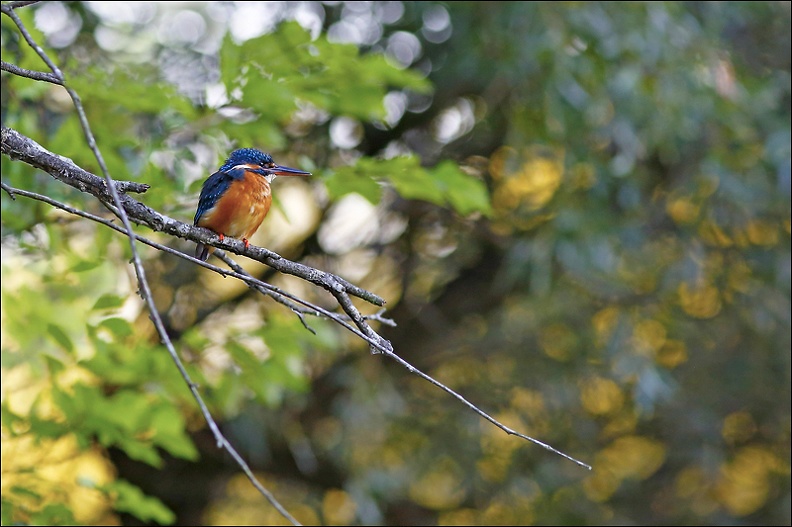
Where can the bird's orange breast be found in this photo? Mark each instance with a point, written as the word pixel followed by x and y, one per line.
pixel 241 208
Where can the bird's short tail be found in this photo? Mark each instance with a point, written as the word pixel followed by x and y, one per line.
pixel 202 252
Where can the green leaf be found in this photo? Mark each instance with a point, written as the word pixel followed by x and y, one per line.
pixel 347 180
pixel 108 301
pixel 129 498
pixel 230 57
pixel 25 491
pixel 139 451
pixel 276 70
pixel 119 327
pixel 53 514
pixel 60 336
pixel 262 132
pixel 464 193
pixel 9 419
pixel 7 512
pixel 243 357
pixel 127 410
pixel 41 428
pixel 273 101
pixel 412 181
pixel 130 88
pixel 170 432
pixel 280 338
pixel 54 365
pixel 444 185
pixel 85 265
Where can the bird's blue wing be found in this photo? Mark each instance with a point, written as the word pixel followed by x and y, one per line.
pixel 213 188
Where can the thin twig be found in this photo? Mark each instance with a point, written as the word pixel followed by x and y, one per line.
pixel 479 411
pixel 299 311
pixel 279 295
pixel 20 3
pixel 8 9
pixel 30 74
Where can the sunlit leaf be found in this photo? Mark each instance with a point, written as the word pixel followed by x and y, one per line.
pixel 282 67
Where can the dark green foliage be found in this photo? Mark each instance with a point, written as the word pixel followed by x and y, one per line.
pixel 582 225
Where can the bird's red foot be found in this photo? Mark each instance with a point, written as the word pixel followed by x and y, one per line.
pixel 221 236
pixel 246 242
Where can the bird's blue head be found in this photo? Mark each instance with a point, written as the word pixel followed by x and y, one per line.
pixel 247 156
pixel 256 158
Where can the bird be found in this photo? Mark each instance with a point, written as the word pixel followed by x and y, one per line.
pixel 236 199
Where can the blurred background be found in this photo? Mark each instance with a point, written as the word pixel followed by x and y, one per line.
pixel 578 214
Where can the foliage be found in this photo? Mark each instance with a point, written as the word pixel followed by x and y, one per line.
pixel 444 185
pixel 578 213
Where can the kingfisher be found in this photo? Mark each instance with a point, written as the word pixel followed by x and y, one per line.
pixel 236 199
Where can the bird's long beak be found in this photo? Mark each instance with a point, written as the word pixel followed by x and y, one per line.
pixel 286 171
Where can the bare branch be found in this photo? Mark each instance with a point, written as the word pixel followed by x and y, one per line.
pixel 8 10
pixel 22 148
pixel 280 296
pixel 291 301
pixel 30 74
pixel 143 284
pixel 20 3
